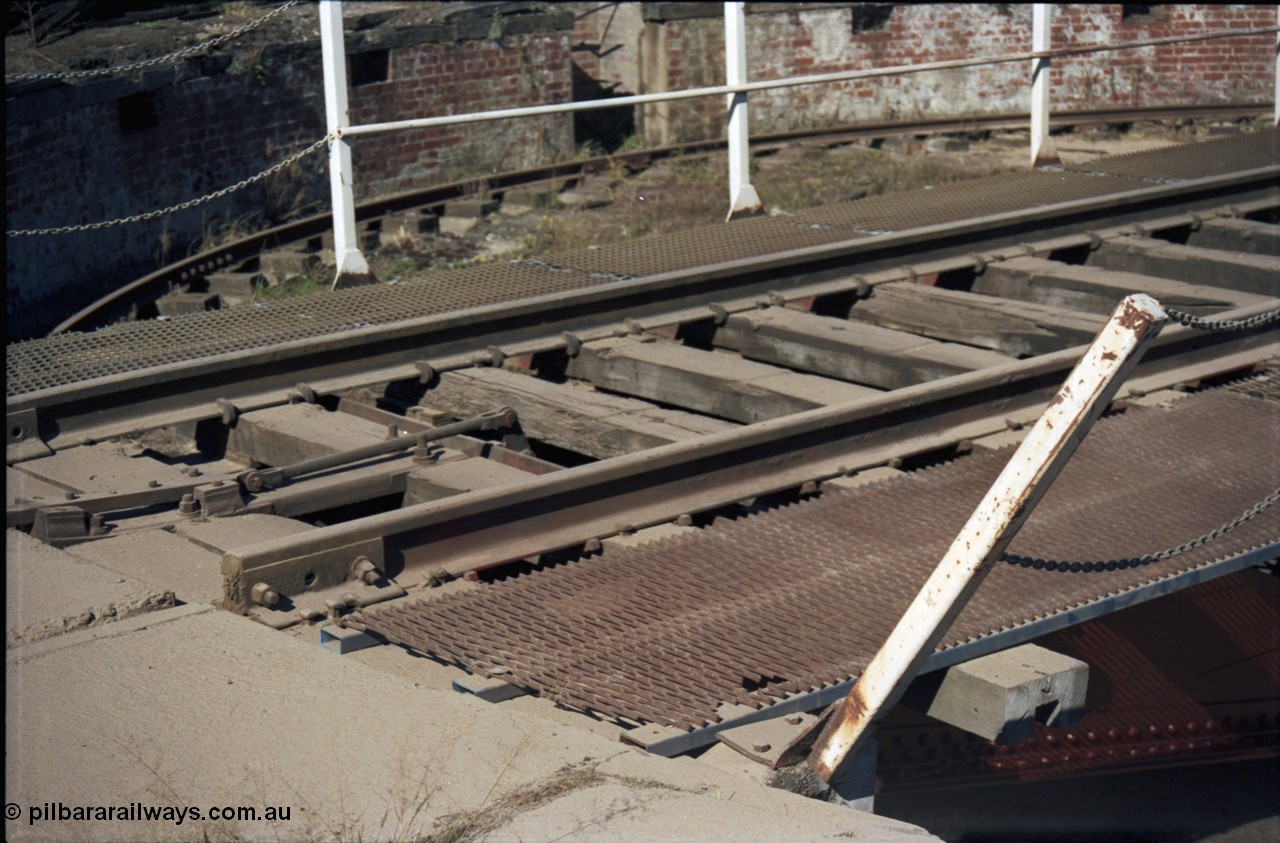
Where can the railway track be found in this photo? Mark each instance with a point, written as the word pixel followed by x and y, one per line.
pixel 636 478
pixel 195 273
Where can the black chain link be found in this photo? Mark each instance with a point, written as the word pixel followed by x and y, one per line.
pixel 1201 324
pixel 1138 561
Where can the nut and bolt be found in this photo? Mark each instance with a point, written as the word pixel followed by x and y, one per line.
pixel 365 571
pixel 794 719
pixel 188 505
pixel 97 526
pixel 264 595
pixel 761 747
pixel 427 451
pixel 685 520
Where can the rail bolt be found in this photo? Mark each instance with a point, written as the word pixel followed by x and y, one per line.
pixel 265 595
pixel 365 571
pixel 188 505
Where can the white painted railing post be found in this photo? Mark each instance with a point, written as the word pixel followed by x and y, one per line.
pixel 353 269
pixel 742 196
pixel 1049 444
pixel 1276 101
pixel 1041 28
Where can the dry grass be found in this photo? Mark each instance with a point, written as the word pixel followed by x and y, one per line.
pixel 466 826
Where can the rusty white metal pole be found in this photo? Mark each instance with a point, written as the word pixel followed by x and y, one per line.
pixel 1051 441
pixel 743 200
pixel 1041 29
pixel 353 269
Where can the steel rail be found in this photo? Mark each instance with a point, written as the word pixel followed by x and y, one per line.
pixel 188 270
pixel 564 509
pixel 187 391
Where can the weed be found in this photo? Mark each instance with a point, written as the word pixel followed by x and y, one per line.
pixel 465 826
pixel 295 287
pixel 240 9
pixel 214 234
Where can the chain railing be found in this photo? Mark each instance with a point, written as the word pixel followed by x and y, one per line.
pixel 1201 324
pixel 159 61
pixel 1249 514
pixel 1149 558
pixel 182 206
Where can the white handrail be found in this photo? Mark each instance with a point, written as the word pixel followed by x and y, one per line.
pixel 747 87
pixel 742 195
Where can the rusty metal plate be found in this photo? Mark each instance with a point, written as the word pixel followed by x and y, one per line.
pixel 963 200
pixel 133 346
pixel 751 611
pixel 1233 154
pixel 737 240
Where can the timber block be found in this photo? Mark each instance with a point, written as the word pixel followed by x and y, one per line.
pixel 177 304
pixel 280 264
pixel 235 284
pixel 292 433
pixel 470 208
pixel 1002 696
pixel 445 479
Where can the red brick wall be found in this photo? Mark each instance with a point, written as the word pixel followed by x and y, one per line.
pixel 827 40
pixel 69 165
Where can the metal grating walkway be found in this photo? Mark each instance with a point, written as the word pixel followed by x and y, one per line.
pixel 754 610
pixel 76 358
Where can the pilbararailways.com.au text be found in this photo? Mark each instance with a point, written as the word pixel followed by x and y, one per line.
pixel 140 812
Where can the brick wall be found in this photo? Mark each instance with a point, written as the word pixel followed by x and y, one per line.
pixel 680 45
pixel 125 145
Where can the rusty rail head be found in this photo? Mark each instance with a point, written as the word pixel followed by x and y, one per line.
pixel 1047 447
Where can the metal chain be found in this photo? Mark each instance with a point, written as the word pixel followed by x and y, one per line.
pixel 1200 324
pixel 1136 561
pixel 190 203
pixel 171 58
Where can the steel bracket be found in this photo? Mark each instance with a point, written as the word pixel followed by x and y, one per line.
pixel 291 577
pixel 218 498
pixel 59 525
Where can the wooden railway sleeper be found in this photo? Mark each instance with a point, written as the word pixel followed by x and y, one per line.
pixel 256 480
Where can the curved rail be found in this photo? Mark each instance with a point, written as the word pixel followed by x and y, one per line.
pixel 153 285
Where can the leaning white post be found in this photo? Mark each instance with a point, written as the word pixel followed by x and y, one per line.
pixel 1051 441
pixel 353 269
pixel 1041 27
pixel 743 200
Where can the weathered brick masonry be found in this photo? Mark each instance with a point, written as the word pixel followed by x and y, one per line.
pixel 669 46
pixel 115 147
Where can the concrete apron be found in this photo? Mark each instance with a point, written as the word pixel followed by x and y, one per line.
pixel 192 707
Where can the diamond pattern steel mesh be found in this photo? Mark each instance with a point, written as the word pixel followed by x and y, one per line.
pixel 57 361
pixel 1237 153
pixel 753 610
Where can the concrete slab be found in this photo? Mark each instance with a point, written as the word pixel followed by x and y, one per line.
pixel 104 467
pixel 20 486
pixel 201 709
pixel 171 562
pixel 444 479
pixel 49 592
pixel 219 534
